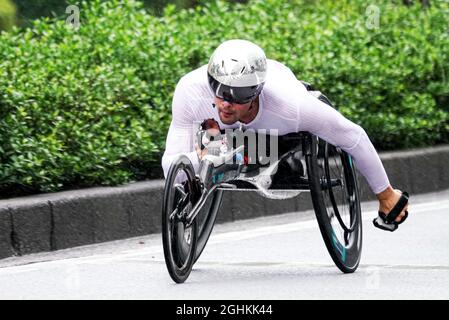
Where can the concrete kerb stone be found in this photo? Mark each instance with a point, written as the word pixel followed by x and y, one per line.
pixel 66 219
pixel 443 165
pixel 226 213
pixel 73 222
pixel 99 215
pixel 31 226
pixel 6 246
pixel 89 219
pixel 247 205
pixel 73 218
pixel 144 206
pixel 418 170
pixel 425 173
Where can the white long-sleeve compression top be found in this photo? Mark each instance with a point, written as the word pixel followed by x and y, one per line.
pixel 284 105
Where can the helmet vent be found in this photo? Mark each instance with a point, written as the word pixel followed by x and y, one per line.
pixel 238 64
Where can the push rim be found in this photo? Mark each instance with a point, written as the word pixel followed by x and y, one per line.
pixel 343 237
pixel 339 191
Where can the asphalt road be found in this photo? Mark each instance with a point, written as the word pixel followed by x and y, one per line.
pixel 277 257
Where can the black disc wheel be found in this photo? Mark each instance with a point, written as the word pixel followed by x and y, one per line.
pixel 179 239
pixel 336 201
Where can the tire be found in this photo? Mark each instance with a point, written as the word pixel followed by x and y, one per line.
pixel 178 241
pixel 336 201
pixel 206 220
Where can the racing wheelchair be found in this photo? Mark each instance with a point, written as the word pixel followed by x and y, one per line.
pixel 303 163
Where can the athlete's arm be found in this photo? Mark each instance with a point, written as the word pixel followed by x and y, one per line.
pixel 180 137
pixel 327 123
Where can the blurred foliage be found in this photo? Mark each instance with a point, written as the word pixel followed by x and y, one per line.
pixel 91 106
pixel 32 9
pixel 7 15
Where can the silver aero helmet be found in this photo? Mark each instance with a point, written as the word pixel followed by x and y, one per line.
pixel 237 71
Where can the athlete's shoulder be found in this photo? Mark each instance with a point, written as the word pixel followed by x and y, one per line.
pixel 196 77
pixel 276 68
pixel 281 81
pixel 192 94
pixel 192 88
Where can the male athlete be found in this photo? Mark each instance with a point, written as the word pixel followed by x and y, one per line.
pixel 241 86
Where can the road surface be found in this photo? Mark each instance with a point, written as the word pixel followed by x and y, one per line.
pixel 277 257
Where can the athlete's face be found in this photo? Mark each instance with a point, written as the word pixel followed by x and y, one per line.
pixel 231 112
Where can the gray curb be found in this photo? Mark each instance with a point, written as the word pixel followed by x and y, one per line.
pixel 67 219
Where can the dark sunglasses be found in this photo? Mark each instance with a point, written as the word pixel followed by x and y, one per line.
pixel 238 95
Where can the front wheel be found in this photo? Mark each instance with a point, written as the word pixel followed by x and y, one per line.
pixel 336 201
pixel 179 240
pixel 206 220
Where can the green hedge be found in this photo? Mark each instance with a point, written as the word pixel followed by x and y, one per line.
pixel 7 15
pixel 92 106
pixel 33 9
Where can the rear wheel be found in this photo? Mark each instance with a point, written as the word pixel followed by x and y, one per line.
pixel 179 240
pixel 335 197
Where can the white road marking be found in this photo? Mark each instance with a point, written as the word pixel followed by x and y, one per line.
pixel 215 239
pixel 296 226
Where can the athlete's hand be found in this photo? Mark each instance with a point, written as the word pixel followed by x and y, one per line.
pixel 388 199
pixel 200 153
